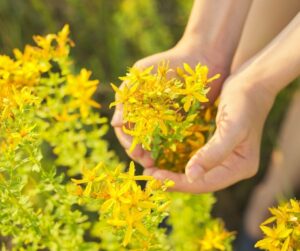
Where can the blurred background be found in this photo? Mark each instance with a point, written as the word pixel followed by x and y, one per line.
pixel 110 36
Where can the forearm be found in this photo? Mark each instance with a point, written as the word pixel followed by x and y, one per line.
pixel 277 64
pixel 216 26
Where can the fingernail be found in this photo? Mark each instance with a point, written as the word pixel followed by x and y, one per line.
pixel 117 118
pixel 193 173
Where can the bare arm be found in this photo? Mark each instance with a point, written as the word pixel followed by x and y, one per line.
pixel 217 26
pixel 277 64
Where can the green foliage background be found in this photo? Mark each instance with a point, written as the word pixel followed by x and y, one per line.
pixel 109 35
pixel 112 35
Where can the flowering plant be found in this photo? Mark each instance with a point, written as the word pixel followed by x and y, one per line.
pixel 61 188
pixel 282 229
pixel 166 115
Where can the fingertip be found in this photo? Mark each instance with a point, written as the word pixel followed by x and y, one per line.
pixel 136 154
pixel 125 139
pixel 147 159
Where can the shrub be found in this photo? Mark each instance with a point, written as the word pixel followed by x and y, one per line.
pixel 51 133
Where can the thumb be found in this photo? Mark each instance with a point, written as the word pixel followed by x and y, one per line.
pixel 211 154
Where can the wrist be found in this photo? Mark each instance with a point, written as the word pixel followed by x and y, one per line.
pixel 255 90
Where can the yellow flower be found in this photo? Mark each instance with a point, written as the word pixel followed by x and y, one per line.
pixel 284 232
pixel 133 220
pixel 65 116
pixel 63 41
pixel 82 89
pixel 136 75
pixel 124 204
pixel 215 237
pixel 125 94
pixel 90 177
pixel 276 238
pixel 129 178
pixel 116 197
pixel 156 105
pixel 195 85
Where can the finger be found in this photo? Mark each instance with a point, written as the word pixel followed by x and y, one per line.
pixel 125 139
pixel 226 174
pixel 138 154
pixel 117 119
pixel 234 169
pixel 180 180
pixel 141 156
pixel 213 153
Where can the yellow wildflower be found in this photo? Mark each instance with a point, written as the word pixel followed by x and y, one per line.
pixel 153 103
pixel 284 232
pixel 215 238
pixel 124 204
pixel 82 89
pixel 133 220
pixel 129 178
pixel 276 238
pixel 90 177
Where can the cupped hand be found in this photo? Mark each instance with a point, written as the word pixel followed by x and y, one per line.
pixel 232 154
pixel 184 52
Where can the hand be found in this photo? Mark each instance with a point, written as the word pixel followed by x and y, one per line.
pixel 232 154
pixel 184 52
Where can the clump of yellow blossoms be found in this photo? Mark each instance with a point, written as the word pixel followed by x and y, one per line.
pixel 215 238
pixel 49 128
pixel 130 212
pixel 282 230
pixel 166 115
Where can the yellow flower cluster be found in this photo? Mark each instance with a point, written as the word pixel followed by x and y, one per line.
pixel 216 238
pixel 165 114
pixel 154 103
pixel 129 209
pixel 47 120
pixel 174 156
pixel 82 90
pixel 284 233
pixel 19 76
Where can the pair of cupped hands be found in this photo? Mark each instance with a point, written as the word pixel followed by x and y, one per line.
pixel 232 154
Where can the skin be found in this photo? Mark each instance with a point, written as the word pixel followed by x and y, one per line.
pixel 233 152
pixel 202 31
